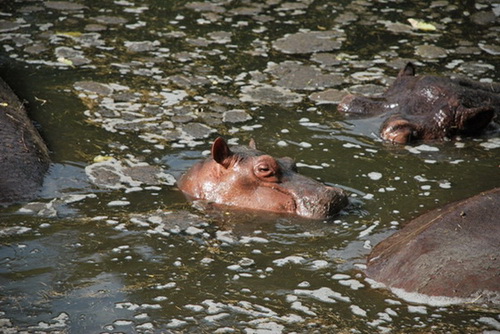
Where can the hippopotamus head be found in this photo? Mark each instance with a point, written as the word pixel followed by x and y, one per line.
pixel 429 107
pixel 246 178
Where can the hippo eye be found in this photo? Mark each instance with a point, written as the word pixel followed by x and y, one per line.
pixel 267 172
pixel 264 170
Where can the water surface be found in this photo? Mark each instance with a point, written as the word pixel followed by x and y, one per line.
pixel 141 89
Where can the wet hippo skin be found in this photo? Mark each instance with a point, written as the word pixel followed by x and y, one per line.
pixel 453 251
pixel 24 157
pixel 429 107
pixel 246 178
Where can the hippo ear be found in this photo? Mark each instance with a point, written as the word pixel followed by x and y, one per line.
pixel 252 144
pixel 473 120
pixel 407 71
pixel 221 151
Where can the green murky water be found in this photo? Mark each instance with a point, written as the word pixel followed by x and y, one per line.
pixel 150 84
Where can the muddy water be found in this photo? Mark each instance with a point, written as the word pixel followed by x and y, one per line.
pixel 128 94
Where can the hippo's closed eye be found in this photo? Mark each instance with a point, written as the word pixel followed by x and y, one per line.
pixel 267 169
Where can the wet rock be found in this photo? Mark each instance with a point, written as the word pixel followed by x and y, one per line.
pixel 12 231
pixel 93 87
pixel 346 18
pixel 430 51
pixel 31 9
pixel 182 119
pixel 370 90
pixel 150 175
pixel 222 99
pixel 468 50
pixel 397 27
pixel 399 63
pixel 310 42
pixel 328 96
pixel 295 7
pixel 211 118
pixel 196 130
pixel 200 6
pixel 267 94
pixel 185 56
pixel 476 69
pixel 211 17
pixel 200 41
pixel 293 75
pixel 236 116
pixel 263 18
pixel 95 27
pixel 35 49
pixel 141 46
pixel 126 97
pixel 165 222
pixel 64 5
pixel 126 174
pixel 326 59
pixel 70 56
pixel 174 34
pixel 90 40
pixel 492 49
pixel 171 97
pixel 246 11
pixel 6 26
pixel 220 37
pixel 372 73
pixel 110 19
pixel 21 40
pixel 483 18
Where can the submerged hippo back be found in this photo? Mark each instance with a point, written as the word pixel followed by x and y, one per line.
pixel 450 252
pixel 24 158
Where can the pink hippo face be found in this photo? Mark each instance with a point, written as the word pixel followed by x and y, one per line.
pixel 246 178
pixel 429 107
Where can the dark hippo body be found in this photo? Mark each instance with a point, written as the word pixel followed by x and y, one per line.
pixel 249 179
pixel 452 252
pixel 429 107
pixel 24 157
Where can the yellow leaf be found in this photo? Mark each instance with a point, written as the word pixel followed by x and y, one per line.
pixel 69 33
pixel 4 104
pixel 65 61
pixel 102 158
pixel 421 25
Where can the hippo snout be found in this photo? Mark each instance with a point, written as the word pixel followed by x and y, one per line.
pixel 317 201
pixel 345 103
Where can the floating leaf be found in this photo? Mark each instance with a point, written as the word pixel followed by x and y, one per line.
pixel 69 33
pixel 65 61
pixel 421 25
pixel 102 158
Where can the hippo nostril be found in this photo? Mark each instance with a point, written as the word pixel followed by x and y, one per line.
pixel 345 104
